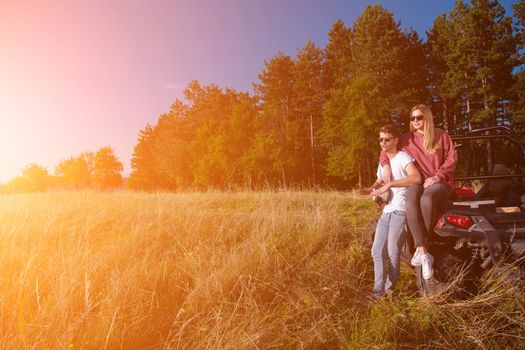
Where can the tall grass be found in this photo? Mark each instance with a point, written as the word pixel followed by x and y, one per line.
pixel 219 271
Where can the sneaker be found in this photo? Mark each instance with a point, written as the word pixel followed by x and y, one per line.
pixel 416 259
pixel 426 266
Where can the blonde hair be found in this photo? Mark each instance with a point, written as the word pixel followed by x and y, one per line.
pixel 429 131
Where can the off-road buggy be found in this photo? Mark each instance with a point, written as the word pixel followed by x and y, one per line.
pixel 483 229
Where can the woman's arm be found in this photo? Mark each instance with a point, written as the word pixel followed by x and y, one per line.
pixel 446 170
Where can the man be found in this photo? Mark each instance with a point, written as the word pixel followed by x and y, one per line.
pixel 390 232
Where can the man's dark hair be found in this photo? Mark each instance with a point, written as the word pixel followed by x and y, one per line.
pixel 390 129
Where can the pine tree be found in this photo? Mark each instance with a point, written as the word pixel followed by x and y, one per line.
pixel 143 174
pixel 444 98
pixel 310 97
pixel 275 146
pixel 107 170
pixel 337 69
pixel 171 147
pixel 518 120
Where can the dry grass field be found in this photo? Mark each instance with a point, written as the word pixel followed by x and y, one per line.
pixel 265 270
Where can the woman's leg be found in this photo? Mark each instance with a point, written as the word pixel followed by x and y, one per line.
pixel 430 200
pixel 414 217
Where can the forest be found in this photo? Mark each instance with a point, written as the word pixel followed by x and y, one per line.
pixel 312 119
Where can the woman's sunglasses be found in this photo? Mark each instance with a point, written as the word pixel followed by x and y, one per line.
pixel 416 117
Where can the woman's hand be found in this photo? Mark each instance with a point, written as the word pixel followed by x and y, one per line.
pixel 430 181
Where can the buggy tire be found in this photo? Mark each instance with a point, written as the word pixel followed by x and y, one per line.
pixel 448 265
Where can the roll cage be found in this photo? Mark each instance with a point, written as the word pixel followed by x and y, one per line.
pixel 489 133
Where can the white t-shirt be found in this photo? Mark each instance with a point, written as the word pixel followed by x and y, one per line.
pixel 398 165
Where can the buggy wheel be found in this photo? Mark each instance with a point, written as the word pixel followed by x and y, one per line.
pixel 427 287
pixel 450 267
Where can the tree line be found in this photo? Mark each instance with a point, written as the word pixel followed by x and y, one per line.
pixel 101 170
pixel 313 118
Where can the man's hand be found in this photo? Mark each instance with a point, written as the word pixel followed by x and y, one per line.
pixel 430 181
pixel 382 189
pixel 365 191
pixel 387 173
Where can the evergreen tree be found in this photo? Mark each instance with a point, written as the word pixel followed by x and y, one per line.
pixel 337 69
pixel 275 146
pixel 171 148
pixel 350 131
pixel 223 138
pixel 444 98
pixel 143 174
pixel 107 170
pixel 310 97
pixel 519 88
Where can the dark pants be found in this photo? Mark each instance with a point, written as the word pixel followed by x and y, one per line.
pixel 422 206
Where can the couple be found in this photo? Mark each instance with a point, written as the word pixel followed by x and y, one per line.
pixel 417 167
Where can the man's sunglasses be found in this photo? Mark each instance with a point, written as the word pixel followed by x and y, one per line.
pixel 416 117
pixel 385 139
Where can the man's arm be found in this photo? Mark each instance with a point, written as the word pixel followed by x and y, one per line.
pixel 413 177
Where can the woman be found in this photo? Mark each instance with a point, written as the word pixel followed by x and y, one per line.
pixel 435 156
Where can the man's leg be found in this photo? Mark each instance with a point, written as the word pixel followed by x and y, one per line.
pixel 379 252
pixel 396 239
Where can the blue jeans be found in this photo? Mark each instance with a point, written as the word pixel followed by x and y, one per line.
pixel 388 242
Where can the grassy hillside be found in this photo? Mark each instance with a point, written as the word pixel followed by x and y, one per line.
pixel 220 271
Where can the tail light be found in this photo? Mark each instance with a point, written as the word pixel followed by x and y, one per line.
pixel 459 220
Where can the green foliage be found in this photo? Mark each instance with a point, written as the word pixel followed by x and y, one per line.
pixel 34 178
pixel 107 169
pixel 338 56
pixel 519 87
pixel 350 128
pixel 310 95
pixel 388 78
pixel 277 124
pixel 480 57
pixel 143 175
pixel 75 172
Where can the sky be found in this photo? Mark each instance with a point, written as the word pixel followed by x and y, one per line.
pixel 80 75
